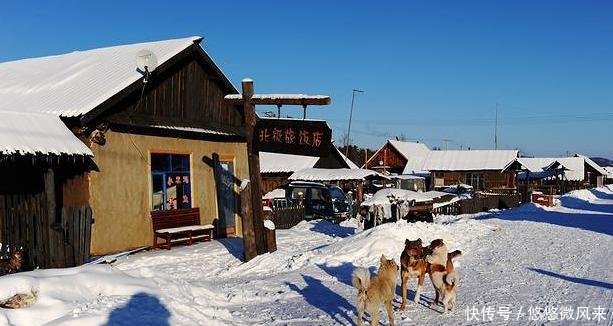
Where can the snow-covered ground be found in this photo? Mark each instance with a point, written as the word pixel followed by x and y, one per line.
pixel 520 261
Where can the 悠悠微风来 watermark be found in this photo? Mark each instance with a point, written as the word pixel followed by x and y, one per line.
pixel 535 313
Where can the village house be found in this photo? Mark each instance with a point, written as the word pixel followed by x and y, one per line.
pixel 556 175
pixel 481 169
pixel 276 168
pixel 153 140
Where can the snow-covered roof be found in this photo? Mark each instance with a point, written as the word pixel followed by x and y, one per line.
pixel 405 177
pixel 421 159
pixel 37 133
pixel 73 84
pixel 409 149
pixel 347 160
pixel 459 160
pixel 313 174
pixel 272 97
pixel 574 167
pixel 194 129
pixel 285 163
pixel 289 163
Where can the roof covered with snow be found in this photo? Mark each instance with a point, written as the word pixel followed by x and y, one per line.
pixel 37 133
pixel 347 160
pixel 289 163
pixel 421 159
pixel 285 163
pixel 73 84
pixel 541 167
pixel 314 174
pixel 459 160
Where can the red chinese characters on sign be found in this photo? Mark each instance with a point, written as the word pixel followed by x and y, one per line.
pixel 290 136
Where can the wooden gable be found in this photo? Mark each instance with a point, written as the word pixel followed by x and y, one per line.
pixel 387 156
pixel 181 98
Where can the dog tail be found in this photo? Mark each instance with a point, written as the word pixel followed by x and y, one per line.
pixel 360 278
pixel 454 254
pixel 451 279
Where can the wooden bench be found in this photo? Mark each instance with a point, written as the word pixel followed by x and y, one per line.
pixel 179 226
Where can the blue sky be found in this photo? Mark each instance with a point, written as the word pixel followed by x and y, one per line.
pixel 431 70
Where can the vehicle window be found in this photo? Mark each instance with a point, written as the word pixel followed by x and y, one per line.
pixel 298 192
pixel 336 193
pixel 319 194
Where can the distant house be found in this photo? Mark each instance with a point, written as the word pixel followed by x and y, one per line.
pixel 609 177
pixel 276 168
pixel 481 169
pixel 394 156
pixel 169 144
pixel 555 175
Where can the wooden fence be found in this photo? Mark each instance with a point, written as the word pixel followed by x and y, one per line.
pixel 479 204
pixel 25 223
pixel 287 217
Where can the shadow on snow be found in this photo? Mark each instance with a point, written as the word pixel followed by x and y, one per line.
pixel 141 309
pixel 326 300
pixel 234 245
pixel 573 279
pixel 601 223
pixel 331 229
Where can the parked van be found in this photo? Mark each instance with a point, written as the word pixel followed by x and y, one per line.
pixel 318 199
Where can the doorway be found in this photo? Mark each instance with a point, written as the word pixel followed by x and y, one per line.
pixel 226 198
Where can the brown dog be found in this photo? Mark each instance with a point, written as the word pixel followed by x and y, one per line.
pixel 442 273
pixel 413 265
pixel 379 290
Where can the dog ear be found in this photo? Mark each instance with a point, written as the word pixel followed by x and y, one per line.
pixel 382 260
pixel 406 242
pixel 419 239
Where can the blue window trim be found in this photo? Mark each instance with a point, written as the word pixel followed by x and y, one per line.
pixel 165 174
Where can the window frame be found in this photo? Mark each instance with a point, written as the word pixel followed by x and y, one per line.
pixel 165 173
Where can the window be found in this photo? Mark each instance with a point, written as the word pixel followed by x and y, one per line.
pixel 171 181
pixel 475 180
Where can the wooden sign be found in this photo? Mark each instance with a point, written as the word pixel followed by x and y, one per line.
pixel 293 136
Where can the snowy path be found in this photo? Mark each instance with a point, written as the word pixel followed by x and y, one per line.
pixel 526 257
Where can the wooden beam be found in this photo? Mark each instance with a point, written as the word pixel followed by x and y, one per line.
pixel 253 157
pixel 280 99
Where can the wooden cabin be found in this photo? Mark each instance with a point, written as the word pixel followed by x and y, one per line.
pixel 276 168
pixel 394 156
pixel 481 169
pixel 43 210
pixel 556 175
pixel 169 143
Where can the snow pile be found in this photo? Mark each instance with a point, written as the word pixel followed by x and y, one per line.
pixel 66 290
pixel 381 197
pixel 365 248
pixel 583 194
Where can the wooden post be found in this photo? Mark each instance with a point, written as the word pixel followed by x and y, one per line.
pixel 247 221
pixel 253 156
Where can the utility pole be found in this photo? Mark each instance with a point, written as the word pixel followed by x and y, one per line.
pixel 496 128
pixel 350 117
pixel 446 141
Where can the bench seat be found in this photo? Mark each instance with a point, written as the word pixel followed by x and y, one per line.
pixel 181 229
pixel 179 226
